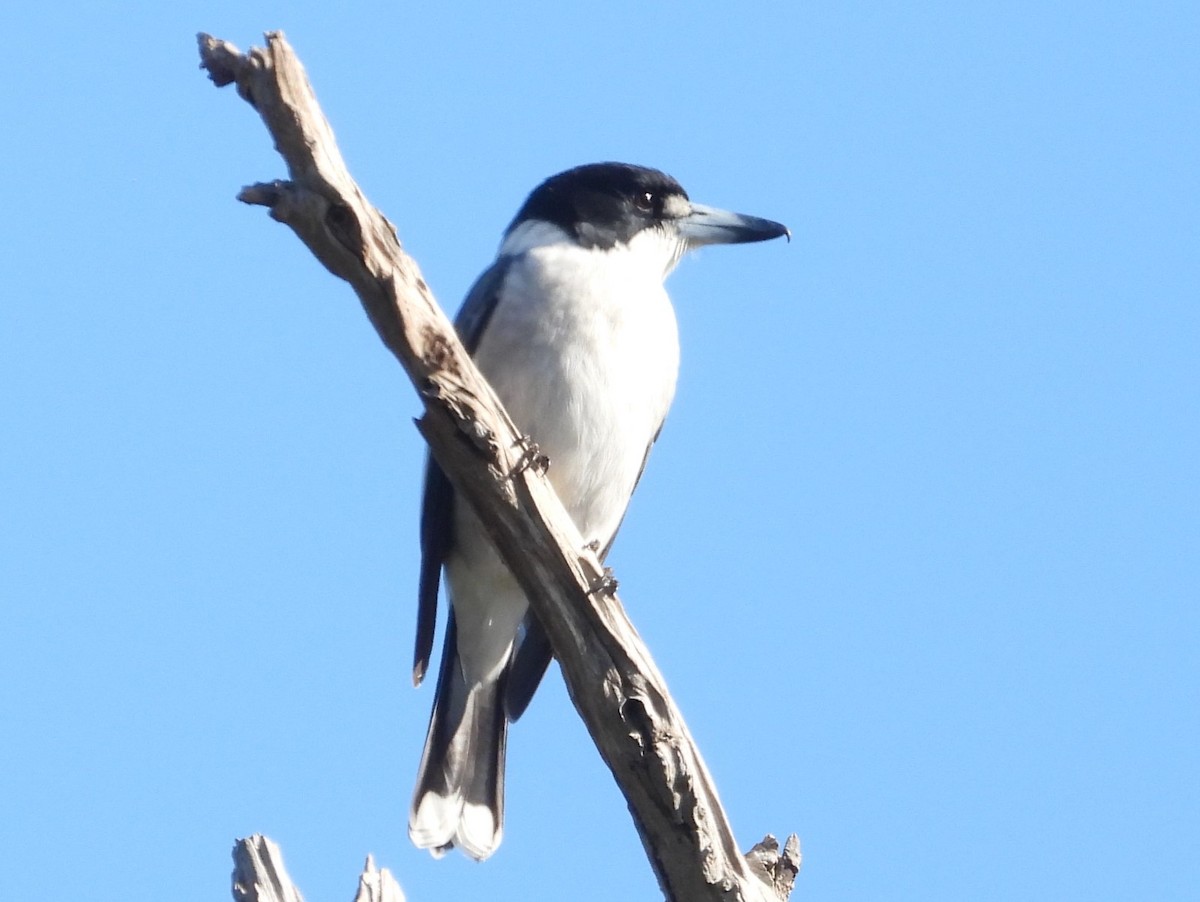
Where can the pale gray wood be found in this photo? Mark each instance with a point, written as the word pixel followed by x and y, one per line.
pixel 610 675
pixel 776 868
pixel 377 884
pixel 259 876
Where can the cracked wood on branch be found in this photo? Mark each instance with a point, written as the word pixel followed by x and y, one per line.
pixel 259 876
pixel 610 676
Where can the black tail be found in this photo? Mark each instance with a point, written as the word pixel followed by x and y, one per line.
pixel 528 666
pixel 459 799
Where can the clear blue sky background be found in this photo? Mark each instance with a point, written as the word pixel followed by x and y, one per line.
pixel 917 552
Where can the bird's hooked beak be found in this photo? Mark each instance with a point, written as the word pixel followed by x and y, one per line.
pixel 708 225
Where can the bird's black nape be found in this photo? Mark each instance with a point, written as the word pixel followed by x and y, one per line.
pixel 601 204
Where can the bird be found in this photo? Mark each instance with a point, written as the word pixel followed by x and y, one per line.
pixel 573 329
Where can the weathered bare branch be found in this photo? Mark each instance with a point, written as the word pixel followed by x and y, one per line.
pixel 611 678
pixel 377 884
pixel 259 876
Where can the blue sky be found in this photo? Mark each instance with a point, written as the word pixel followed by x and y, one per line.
pixel 917 551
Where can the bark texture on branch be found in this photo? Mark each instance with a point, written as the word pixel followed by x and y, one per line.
pixel 259 876
pixel 610 676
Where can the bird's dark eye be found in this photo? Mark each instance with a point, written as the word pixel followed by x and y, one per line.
pixel 646 201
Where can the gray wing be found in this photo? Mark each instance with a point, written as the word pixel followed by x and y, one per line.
pixel 437 502
pixel 534 653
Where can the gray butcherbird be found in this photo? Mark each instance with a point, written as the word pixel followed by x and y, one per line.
pixel 573 329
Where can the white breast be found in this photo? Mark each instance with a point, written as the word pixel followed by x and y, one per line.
pixel 584 353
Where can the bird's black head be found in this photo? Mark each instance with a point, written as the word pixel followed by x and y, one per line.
pixel 604 204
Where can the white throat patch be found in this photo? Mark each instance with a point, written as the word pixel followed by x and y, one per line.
pixel 657 249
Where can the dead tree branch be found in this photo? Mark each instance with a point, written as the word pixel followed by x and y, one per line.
pixel 259 876
pixel 611 678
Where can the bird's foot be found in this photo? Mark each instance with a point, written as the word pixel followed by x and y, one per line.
pixel 606 584
pixel 531 457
